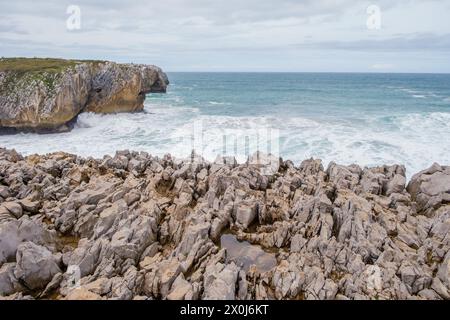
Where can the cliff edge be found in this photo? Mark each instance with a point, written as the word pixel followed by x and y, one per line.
pixel 48 94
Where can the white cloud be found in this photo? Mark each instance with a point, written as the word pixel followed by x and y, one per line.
pixel 234 34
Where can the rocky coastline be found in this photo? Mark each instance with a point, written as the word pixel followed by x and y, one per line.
pixel 134 226
pixel 47 95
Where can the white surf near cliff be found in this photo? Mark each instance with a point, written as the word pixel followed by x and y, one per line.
pixel 365 119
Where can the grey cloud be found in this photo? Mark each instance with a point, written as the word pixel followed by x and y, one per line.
pixel 233 32
pixel 8 28
pixel 218 11
pixel 413 42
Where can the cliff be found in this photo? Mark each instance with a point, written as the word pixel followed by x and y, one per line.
pixel 48 94
pixel 135 226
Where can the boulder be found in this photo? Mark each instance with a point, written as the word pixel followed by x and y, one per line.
pixel 4 192
pixel 246 213
pixel 180 289
pixel 30 206
pixel 14 232
pixel 430 188
pixel 12 208
pixel 36 265
pixel 9 284
pixel 220 282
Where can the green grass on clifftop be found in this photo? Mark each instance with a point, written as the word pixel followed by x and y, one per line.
pixel 23 71
pixel 32 65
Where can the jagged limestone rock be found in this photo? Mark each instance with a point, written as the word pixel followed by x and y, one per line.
pixel 133 226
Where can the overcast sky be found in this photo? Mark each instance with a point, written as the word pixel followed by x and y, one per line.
pixel 236 35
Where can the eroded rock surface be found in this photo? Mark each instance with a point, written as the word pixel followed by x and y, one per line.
pixel 48 94
pixel 135 226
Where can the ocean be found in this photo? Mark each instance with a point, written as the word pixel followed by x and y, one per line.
pixel 367 119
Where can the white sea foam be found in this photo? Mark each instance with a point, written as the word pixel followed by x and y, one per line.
pixel 418 94
pixel 415 140
pixel 215 103
pixel 410 90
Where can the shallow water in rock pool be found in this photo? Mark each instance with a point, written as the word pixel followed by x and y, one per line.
pixel 245 254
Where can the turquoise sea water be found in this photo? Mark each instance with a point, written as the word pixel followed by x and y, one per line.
pixel 368 119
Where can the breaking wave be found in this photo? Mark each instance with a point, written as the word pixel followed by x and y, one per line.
pixel 338 125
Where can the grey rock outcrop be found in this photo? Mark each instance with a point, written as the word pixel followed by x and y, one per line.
pixel 36 265
pixel 133 226
pixel 49 95
pixel 431 188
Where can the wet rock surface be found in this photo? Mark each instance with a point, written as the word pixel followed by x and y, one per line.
pixel 133 226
